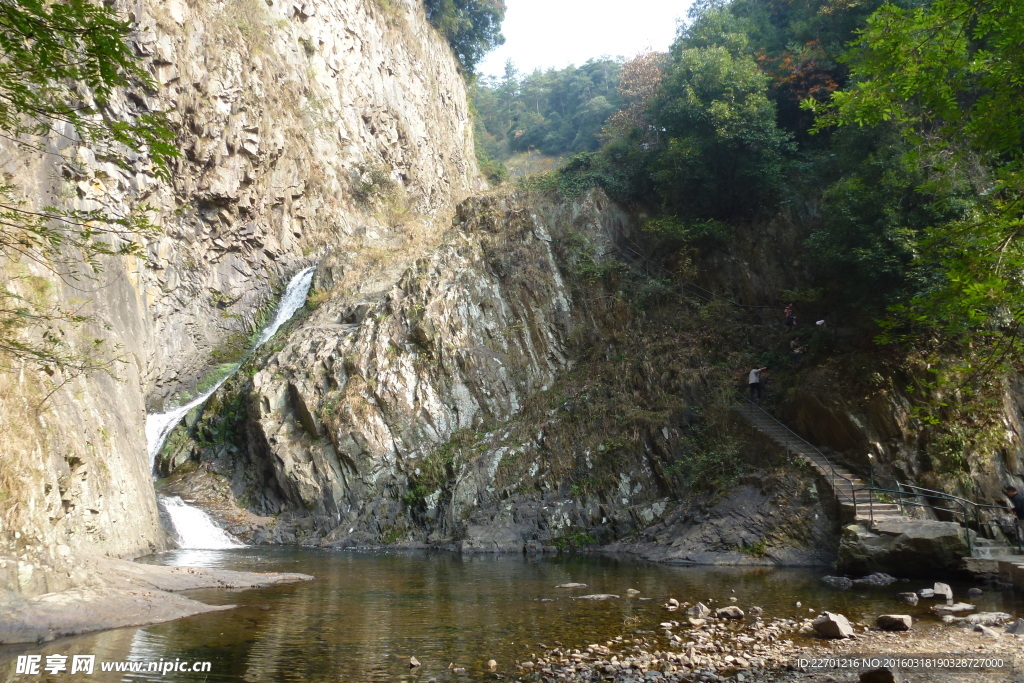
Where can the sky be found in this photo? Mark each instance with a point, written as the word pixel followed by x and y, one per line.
pixel 543 34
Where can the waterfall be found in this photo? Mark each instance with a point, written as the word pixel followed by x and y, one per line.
pixel 193 528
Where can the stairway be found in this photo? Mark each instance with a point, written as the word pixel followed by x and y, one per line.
pixel 856 502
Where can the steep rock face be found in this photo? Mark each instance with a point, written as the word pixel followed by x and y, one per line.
pixel 493 396
pixel 299 125
pixel 365 392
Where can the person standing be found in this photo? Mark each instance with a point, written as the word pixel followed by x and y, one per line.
pixel 754 381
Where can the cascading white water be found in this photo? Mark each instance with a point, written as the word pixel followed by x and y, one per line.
pixel 193 528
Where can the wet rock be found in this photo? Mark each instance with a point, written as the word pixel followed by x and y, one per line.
pixel 894 622
pixel 699 611
pixel 876 579
pixel 833 626
pixel 909 598
pixel 837 582
pixel 988 618
pixel 730 612
pixel 942 591
pixel 881 675
pixel 953 609
pixel 596 596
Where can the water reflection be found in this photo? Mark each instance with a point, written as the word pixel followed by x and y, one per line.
pixel 368 612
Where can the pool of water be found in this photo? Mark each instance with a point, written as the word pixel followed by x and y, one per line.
pixel 367 612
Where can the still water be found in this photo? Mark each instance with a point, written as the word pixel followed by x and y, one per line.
pixel 367 613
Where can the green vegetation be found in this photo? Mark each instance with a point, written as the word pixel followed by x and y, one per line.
pixel 557 112
pixel 472 27
pixel 574 539
pixel 63 65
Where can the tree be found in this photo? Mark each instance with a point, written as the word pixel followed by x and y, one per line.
pixel 472 27
pixel 949 72
pixel 722 152
pixel 61 66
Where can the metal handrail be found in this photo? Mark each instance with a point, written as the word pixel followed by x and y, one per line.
pixel 969 510
pixel 800 439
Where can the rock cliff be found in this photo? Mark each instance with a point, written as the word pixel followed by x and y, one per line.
pixel 301 125
pixel 505 391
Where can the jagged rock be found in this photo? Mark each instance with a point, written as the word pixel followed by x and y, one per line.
pixel 730 612
pixel 837 582
pixel 894 622
pixel 902 546
pixel 698 611
pixel 829 625
pixel 988 618
pixel 909 598
pixel 876 579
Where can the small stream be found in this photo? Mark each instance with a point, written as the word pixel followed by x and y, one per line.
pixel 192 527
pixel 367 612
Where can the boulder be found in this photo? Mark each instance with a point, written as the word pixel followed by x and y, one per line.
pixel 954 608
pixel 906 547
pixel 837 582
pixel 829 625
pixel 894 622
pixel 988 618
pixel 699 611
pixel 909 598
pixel 881 675
pixel 730 612
pixel 876 579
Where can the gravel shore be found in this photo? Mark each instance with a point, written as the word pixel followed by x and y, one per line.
pixel 753 649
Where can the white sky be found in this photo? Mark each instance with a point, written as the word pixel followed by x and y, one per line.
pixel 542 34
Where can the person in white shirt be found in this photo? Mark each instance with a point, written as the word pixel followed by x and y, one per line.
pixel 754 380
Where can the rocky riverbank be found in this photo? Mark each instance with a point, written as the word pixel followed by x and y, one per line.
pixel 114 593
pixel 944 640
pixel 767 649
